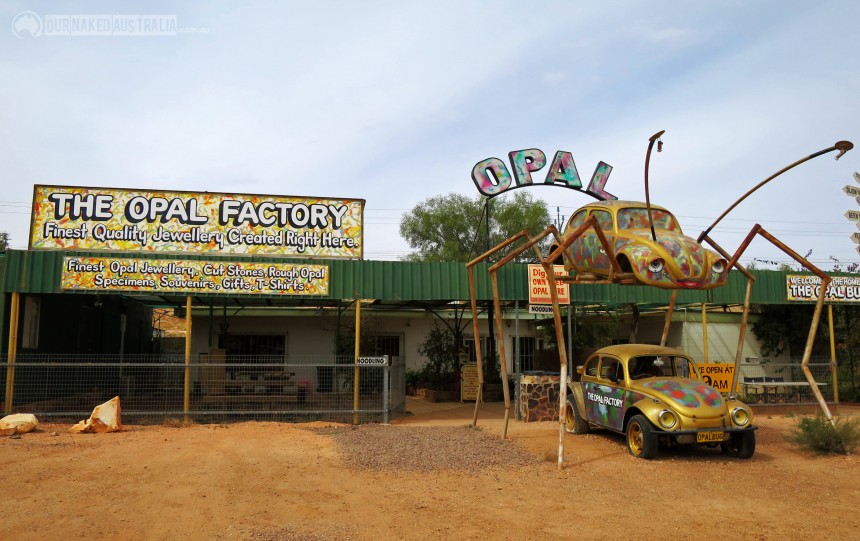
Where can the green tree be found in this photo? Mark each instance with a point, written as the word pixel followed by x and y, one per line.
pixel 453 227
pixel 784 327
pixel 4 241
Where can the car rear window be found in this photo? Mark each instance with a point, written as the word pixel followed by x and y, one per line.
pixel 637 218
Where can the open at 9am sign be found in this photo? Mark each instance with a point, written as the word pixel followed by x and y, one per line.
pixel 112 219
pixel 718 375
pixel 539 286
pixel 193 276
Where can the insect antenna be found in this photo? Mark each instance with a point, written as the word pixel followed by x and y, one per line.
pixel 841 146
pixel 651 141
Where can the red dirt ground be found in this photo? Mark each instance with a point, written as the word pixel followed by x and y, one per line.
pixel 278 481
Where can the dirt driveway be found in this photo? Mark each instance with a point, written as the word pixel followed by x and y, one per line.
pixel 426 476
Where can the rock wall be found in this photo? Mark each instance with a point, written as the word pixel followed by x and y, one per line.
pixel 539 397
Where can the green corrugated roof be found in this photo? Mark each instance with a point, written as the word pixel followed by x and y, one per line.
pixel 393 281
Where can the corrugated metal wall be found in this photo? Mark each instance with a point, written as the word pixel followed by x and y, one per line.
pixel 39 272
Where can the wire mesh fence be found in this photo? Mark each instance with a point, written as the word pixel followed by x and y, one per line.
pixel 212 388
pixel 768 383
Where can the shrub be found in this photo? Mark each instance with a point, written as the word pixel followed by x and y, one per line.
pixel 818 435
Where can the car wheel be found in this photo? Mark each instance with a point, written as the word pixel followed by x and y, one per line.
pixel 573 421
pixel 740 444
pixel 641 440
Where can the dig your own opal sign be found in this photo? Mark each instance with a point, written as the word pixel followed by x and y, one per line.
pixel 492 176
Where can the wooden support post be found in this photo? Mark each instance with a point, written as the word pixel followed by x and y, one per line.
pixel 833 355
pixel 562 358
pixel 668 321
pixel 742 332
pixel 503 363
pixel 477 336
pixel 13 351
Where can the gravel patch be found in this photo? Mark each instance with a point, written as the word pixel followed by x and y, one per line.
pixel 425 449
pixel 289 534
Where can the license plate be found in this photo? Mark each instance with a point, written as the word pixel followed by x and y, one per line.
pixel 707 437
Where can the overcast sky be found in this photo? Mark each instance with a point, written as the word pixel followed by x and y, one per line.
pixel 395 101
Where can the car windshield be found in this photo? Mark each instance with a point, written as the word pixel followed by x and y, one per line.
pixel 637 218
pixel 661 366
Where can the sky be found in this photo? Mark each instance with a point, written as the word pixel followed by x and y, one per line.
pixel 394 102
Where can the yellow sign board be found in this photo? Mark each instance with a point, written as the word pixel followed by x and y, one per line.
pixel 808 288
pixel 192 276
pixel 539 286
pixel 468 382
pixel 113 219
pixel 718 375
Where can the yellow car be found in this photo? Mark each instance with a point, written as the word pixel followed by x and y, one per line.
pixel 655 396
pixel 672 261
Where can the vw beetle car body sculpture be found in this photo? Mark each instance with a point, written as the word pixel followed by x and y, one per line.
pixel 655 396
pixel 668 260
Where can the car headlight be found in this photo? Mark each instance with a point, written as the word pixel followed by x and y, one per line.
pixel 667 419
pixel 740 416
pixel 656 265
pixel 719 266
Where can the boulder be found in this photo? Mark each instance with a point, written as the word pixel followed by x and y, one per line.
pixel 17 423
pixel 105 418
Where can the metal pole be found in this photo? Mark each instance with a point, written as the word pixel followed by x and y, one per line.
pixel 355 370
pixel 491 337
pixel 186 401
pixel 705 331
pixel 517 355
pixel 13 351
pixel 386 389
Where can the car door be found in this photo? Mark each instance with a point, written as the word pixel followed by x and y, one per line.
pixel 603 391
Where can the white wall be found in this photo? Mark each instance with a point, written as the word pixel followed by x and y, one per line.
pixel 314 335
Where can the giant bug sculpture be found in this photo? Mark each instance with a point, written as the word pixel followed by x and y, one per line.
pixel 636 243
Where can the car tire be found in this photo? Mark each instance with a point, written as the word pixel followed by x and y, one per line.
pixel 740 444
pixel 573 421
pixel 641 440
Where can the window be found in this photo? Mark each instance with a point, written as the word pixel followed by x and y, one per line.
pixel 604 219
pixel 254 344
pixel 385 345
pixel 637 218
pixel 470 346
pixel 526 350
pixel 576 220
pixel 610 369
pixel 591 367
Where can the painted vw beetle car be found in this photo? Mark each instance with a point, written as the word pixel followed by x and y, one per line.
pixel 655 396
pixel 672 261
